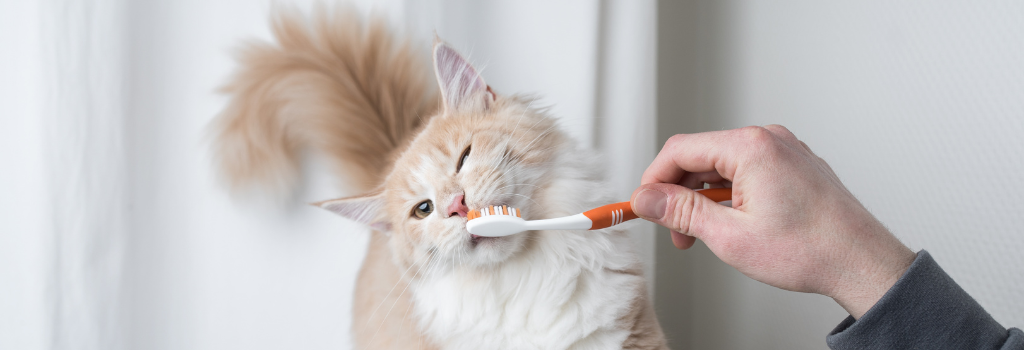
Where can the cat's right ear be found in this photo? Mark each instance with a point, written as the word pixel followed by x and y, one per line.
pixel 462 87
pixel 367 209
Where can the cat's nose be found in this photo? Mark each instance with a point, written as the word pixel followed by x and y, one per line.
pixel 458 206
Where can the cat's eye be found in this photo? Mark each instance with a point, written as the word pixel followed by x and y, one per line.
pixel 423 209
pixel 462 160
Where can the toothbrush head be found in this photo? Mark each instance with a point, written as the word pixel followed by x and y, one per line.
pixel 494 210
pixel 495 221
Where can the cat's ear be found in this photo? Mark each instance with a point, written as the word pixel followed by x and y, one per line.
pixel 462 87
pixel 367 209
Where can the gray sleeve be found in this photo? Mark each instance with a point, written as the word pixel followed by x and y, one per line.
pixel 925 309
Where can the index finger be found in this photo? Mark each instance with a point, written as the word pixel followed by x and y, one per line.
pixel 690 153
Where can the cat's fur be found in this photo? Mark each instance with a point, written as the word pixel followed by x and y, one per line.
pixel 350 91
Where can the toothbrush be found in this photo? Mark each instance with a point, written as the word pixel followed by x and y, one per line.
pixel 498 221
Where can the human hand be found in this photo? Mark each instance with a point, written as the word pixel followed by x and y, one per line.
pixel 792 224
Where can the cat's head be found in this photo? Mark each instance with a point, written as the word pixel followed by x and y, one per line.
pixel 481 149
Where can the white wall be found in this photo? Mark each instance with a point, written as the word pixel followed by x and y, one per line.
pixel 919 108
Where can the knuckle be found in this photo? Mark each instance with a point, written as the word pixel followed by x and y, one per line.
pixel 683 213
pixel 781 131
pixel 675 140
pixel 757 135
pixel 777 128
pixel 763 141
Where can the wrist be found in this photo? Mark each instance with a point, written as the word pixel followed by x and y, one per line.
pixel 865 281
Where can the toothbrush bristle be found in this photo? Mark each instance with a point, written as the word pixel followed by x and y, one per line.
pixel 493 210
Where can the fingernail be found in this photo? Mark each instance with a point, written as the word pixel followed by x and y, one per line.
pixel 650 204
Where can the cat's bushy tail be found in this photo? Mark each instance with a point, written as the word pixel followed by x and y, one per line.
pixel 335 84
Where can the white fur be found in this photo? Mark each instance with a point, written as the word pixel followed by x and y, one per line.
pixel 562 293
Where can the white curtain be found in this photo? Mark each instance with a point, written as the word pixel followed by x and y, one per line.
pixel 66 176
pixel 115 233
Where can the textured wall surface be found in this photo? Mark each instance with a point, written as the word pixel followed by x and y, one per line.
pixel 918 107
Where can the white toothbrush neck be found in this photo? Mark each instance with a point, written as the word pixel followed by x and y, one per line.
pixel 572 222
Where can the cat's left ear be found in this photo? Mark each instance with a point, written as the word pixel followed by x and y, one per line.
pixel 462 87
pixel 367 209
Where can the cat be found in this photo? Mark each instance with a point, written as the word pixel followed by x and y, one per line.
pixel 426 151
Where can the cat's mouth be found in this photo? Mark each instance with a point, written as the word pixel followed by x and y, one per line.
pixel 476 240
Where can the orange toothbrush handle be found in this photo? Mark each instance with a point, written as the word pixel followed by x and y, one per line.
pixel 617 213
pixel 610 215
pixel 717 194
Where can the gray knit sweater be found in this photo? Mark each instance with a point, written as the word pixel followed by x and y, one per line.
pixel 925 310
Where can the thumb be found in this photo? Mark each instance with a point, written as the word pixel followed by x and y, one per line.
pixel 678 208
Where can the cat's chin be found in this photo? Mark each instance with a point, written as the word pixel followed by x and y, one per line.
pixel 494 250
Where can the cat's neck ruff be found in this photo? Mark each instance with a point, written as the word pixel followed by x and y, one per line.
pixel 565 293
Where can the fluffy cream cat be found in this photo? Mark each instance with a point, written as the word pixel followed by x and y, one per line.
pixel 351 92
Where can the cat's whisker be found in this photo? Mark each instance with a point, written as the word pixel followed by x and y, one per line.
pixel 510 185
pixel 382 322
pixel 507 176
pixel 521 115
pixel 426 270
pixel 405 317
pixel 527 197
pixel 505 153
pixel 545 133
pixel 462 251
pixel 440 265
pixel 517 184
pixel 539 135
pixel 368 319
pixel 514 171
pixel 454 248
pixel 543 150
pixel 519 286
pixel 418 263
pixel 505 147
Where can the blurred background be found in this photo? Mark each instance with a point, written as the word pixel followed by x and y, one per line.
pixel 116 234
